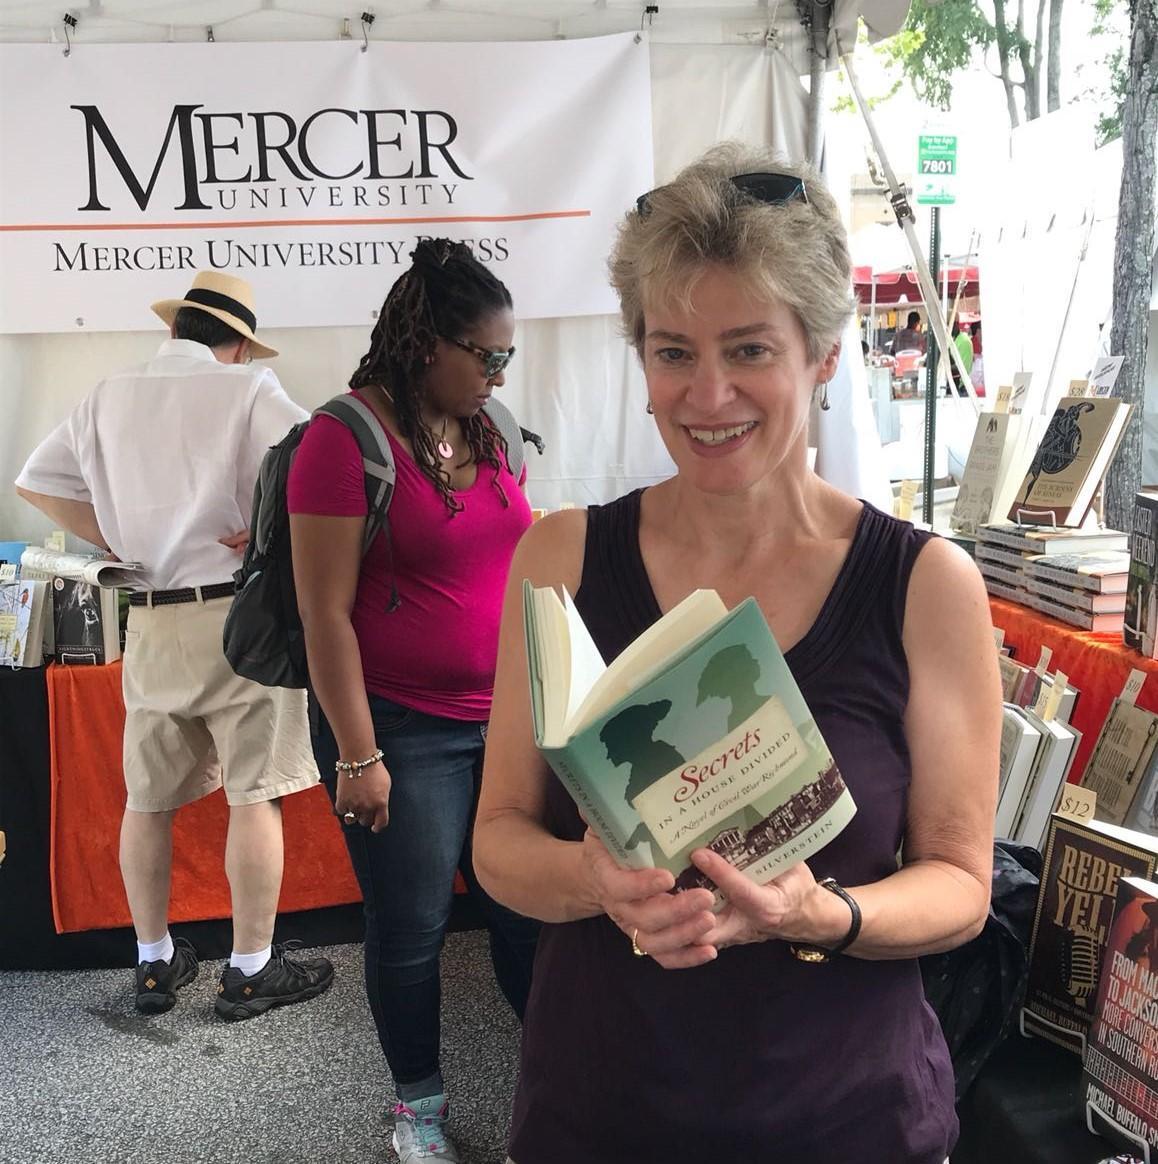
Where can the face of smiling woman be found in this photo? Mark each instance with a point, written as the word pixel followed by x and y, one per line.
pixel 730 380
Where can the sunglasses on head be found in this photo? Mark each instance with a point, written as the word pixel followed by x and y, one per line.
pixel 493 362
pixel 770 188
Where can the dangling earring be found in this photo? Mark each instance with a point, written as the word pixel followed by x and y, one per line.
pixel 650 410
pixel 824 405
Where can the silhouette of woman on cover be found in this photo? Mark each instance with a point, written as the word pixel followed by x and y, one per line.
pixel 732 674
pixel 628 740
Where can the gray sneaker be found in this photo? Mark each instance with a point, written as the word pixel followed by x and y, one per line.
pixel 420 1131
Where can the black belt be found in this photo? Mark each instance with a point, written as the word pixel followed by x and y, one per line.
pixel 186 594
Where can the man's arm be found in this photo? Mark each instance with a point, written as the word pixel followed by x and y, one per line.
pixel 78 517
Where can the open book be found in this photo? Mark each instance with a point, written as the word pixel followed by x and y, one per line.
pixel 696 735
pixel 98 570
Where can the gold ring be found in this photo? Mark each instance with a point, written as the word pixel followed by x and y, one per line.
pixel 349 818
pixel 635 945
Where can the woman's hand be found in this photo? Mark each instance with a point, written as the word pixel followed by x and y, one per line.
pixel 667 927
pixel 791 907
pixel 367 796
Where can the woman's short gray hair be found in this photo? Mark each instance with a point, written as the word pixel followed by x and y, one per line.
pixel 795 251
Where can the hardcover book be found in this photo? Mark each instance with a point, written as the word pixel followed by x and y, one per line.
pixel 696 735
pixel 1099 623
pixel 1101 571
pixel 1037 542
pixel 1075 904
pixel 1090 601
pixel 1120 1079
pixel 1141 627
pixel 23 632
pixel 1070 462
pixel 988 462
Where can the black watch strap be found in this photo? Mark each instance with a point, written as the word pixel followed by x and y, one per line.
pixel 823 953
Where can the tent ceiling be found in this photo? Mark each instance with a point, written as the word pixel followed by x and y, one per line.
pixel 687 21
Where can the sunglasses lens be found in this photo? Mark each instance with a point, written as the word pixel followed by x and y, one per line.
pixel 496 362
pixel 770 188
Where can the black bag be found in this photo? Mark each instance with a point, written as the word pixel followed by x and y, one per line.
pixel 263 639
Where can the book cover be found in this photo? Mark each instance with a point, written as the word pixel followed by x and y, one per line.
pixel 1075 904
pixel 988 455
pixel 22 623
pixel 701 741
pixel 1042 799
pixel 1021 740
pixel 86 623
pixel 1141 626
pixel 1070 462
pixel 1123 752
pixel 1120 1076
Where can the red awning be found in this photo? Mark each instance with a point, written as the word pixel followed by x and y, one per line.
pixel 892 285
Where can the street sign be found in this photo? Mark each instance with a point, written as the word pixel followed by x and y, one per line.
pixel 936 181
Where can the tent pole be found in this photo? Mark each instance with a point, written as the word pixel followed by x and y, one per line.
pixel 820 14
pixel 907 223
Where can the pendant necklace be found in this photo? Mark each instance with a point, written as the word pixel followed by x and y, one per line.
pixel 445 448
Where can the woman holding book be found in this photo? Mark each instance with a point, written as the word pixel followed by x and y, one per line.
pixel 401 644
pixel 792 1023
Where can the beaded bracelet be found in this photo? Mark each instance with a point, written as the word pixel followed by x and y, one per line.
pixel 353 768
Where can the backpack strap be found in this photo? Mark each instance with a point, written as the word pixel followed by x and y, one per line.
pixel 503 419
pixel 377 458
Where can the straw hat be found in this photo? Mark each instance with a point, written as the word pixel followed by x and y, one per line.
pixel 228 298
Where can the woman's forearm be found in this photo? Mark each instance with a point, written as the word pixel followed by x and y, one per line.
pixel 338 682
pixel 522 866
pixel 923 908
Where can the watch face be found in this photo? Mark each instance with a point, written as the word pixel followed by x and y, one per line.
pixel 808 954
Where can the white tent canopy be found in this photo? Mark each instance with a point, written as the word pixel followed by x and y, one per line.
pixel 716 74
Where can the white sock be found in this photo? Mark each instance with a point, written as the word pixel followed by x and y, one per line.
pixel 161 951
pixel 250 964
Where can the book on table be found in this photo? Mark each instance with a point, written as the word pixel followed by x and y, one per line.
pixel 1124 750
pixel 1099 571
pixel 1104 623
pixel 1141 625
pixel 94 569
pixel 1120 1068
pixel 1029 813
pixel 1079 882
pixel 1020 741
pixel 695 736
pixel 1091 601
pixel 1072 458
pixel 1037 542
pixel 25 610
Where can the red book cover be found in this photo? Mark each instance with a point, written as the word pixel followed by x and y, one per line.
pixel 1120 1080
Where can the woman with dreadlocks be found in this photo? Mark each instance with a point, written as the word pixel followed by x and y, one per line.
pixel 402 645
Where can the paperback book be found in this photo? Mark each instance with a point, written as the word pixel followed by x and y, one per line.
pixel 1070 462
pixel 1037 542
pixel 1141 626
pixel 23 630
pixel 696 735
pixel 1079 883
pixel 1120 759
pixel 86 622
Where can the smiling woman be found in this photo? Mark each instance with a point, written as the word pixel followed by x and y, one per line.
pixel 794 1014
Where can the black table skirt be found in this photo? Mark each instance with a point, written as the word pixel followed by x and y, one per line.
pixel 1027 1108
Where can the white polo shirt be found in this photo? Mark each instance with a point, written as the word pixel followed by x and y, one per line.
pixel 167 453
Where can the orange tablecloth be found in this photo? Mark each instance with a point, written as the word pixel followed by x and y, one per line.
pixel 86 717
pixel 1097 665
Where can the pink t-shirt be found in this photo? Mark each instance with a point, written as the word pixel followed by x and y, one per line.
pixel 435 653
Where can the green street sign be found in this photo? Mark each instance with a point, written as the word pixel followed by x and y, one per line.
pixel 936 180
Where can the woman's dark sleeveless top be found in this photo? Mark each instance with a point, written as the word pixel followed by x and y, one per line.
pixel 756 1058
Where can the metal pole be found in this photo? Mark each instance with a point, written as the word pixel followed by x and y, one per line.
pixel 931 379
pixel 873 316
pixel 906 222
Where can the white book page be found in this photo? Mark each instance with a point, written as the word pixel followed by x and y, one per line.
pixel 585 665
pixel 700 611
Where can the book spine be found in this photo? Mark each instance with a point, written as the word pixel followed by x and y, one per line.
pixel 1082 599
pixel 590 808
pixel 1068 578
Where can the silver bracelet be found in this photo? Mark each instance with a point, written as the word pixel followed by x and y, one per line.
pixel 353 768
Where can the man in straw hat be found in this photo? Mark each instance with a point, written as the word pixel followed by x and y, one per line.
pixel 158 464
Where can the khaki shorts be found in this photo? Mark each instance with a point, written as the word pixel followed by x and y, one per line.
pixel 192 724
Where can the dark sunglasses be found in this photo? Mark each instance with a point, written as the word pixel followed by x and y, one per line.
pixel 493 362
pixel 771 189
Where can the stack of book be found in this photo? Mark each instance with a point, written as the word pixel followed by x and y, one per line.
pixel 1086 590
pixel 1007 552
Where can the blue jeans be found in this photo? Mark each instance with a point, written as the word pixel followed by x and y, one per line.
pixel 406 873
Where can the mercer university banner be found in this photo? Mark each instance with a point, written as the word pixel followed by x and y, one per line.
pixel 311 169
